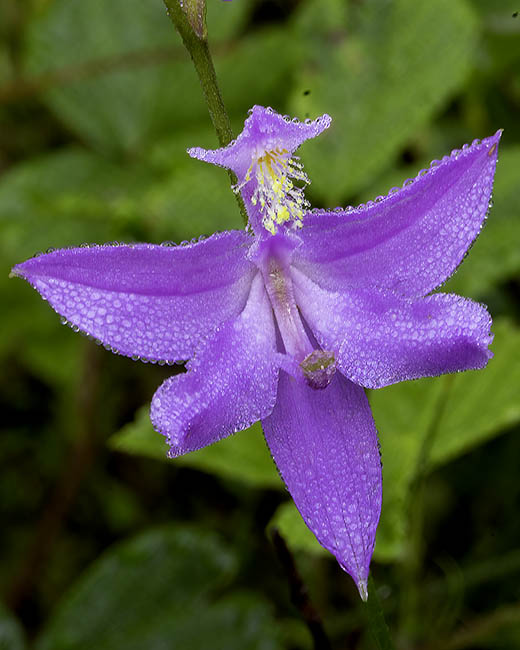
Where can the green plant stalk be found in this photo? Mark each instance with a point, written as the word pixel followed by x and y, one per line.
pixel 376 620
pixel 198 49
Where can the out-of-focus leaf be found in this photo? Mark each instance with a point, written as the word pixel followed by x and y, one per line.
pixel 243 456
pixel 293 529
pixel 226 19
pixel 459 411
pixel 403 414
pixel 34 335
pixel 242 621
pixel 191 201
pixel 258 71
pixel 65 199
pixel 74 196
pixel 157 591
pixel 270 51
pixel 114 110
pixel 495 256
pixel 381 73
pixel 11 635
pixel 119 75
pixel 483 403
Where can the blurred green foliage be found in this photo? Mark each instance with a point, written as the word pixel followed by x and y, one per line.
pixel 244 457
pixel 98 102
pixel 127 610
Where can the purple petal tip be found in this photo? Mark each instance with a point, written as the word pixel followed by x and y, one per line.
pixel 362 586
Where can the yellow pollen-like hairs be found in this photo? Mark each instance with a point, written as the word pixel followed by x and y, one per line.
pixel 280 200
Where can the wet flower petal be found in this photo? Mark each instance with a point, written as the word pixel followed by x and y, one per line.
pixel 230 383
pixel 270 178
pixel 264 130
pixel 413 239
pixel 271 320
pixel 156 302
pixel 379 339
pixel 324 443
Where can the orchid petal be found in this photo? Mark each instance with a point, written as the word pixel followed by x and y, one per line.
pixel 324 443
pixel 264 129
pixel 156 302
pixel 410 241
pixel 230 383
pixel 379 339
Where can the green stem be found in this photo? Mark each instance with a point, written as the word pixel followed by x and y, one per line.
pixel 198 49
pixel 375 618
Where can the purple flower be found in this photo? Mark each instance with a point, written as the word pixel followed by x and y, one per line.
pixel 289 322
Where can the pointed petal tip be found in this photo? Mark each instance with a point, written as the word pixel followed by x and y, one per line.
pixel 197 152
pixel 362 586
pixel 17 272
pixel 326 119
pixel 492 143
pixel 361 583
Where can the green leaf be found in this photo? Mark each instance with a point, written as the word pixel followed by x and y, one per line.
pixel 403 414
pixel 156 591
pixel 11 634
pixel 481 404
pixel 63 199
pixel 293 529
pixel 177 205
pixel 243 456
pixel 242 621
pixel 226 20
pixel 74 196
pixel 118 75
pixel 263 62
pixel 33 333
pixel 381 74
pixel 105 97
pixel 501 37
pixel 269 51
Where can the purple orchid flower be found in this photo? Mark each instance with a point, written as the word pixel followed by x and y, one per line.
pixel 288 322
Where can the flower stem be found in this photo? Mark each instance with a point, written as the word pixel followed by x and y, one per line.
pixel 198 48
pixel 375 619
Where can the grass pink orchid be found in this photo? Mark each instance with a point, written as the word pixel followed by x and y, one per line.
pixel 289 321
